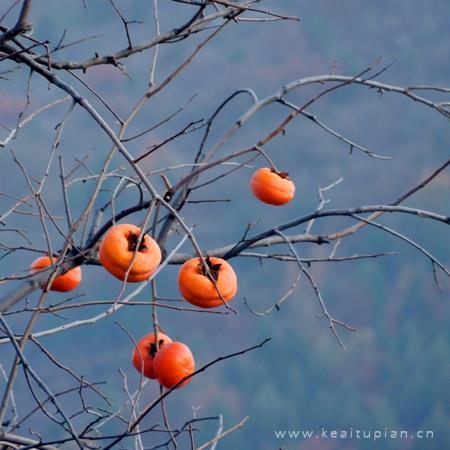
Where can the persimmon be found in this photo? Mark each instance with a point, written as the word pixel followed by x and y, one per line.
pixel 120 249
pixel 197 288
pixel 62 283
pixel 272 187
pixel 172 363
pixel 145 352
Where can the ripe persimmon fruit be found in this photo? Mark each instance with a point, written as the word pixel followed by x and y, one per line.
pixel 172 363
pixel 120 249
pixel 145 352
pixel 197 288
pixel 272 187
pixel 62 283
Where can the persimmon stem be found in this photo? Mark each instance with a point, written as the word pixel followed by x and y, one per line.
pixel 213 268
pixel 284 175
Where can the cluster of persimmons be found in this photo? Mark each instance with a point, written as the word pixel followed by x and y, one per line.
pixel 133 256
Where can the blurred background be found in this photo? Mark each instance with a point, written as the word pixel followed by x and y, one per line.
pixel 395 372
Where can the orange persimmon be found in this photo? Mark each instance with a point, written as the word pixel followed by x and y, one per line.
pixel 197 288
pixel 119 250
pixel 62 283
pixel 173 363
pixel 145 352
pixel 272 187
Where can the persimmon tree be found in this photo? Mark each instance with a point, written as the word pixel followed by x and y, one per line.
pixel 158 211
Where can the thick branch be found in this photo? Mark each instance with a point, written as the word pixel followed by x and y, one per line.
pixel 185 30
pixel 336 212
pixel 22 23
pixel 15 439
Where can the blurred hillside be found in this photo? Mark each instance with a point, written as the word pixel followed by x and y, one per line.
pixel 395 373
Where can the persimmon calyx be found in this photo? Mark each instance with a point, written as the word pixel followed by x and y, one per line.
pixel 154 349
pixel 213 268
pixel 133 241
pixel 284 175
